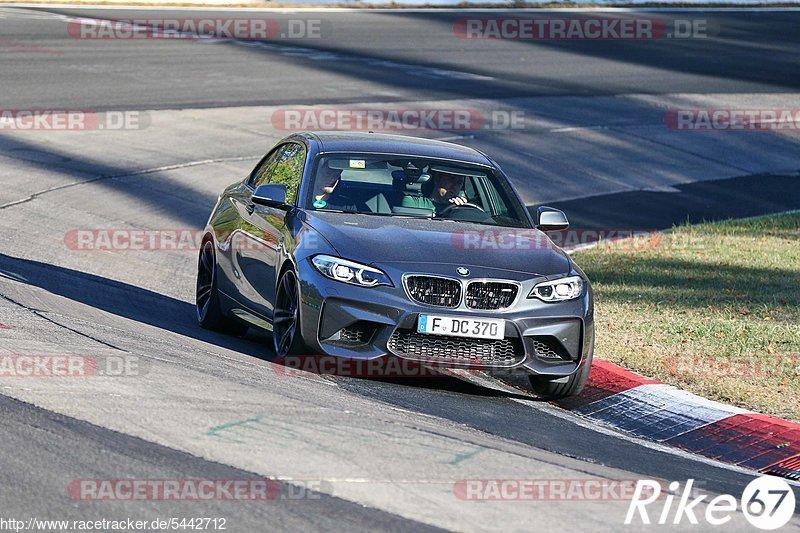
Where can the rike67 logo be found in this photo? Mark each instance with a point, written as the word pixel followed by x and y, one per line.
pixel 767 503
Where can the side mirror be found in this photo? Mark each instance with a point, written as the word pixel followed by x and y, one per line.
pixel 550 219
pixel 271 195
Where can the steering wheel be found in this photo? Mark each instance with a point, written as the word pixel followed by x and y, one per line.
pixel 468 205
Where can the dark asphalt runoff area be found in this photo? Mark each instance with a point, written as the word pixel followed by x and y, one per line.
pixel 379 454
pixel 375 55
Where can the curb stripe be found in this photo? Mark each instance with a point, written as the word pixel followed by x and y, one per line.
pixel 646 408
pixel 657 412
pixel 605 380
pixel 752 441
pixel 789 468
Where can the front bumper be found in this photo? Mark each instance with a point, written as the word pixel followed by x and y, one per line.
pixel 551 339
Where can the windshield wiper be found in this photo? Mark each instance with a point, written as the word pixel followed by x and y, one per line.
pixel 347 211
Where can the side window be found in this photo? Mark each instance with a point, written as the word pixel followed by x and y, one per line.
pixel 261 173
pixel 289 169
pixel 469 190
pixel 488 197
pixel 497 199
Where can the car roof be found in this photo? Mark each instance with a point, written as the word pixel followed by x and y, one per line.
pixel 330 141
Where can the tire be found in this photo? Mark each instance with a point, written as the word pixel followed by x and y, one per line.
pixel 556 391
pixel 286 335
pixel 207 307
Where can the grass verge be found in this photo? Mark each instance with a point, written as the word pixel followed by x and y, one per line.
pixel 713 309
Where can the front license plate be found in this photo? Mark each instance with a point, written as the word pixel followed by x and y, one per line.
pixel 459 326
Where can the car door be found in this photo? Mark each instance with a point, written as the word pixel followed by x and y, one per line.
pixel 240 235
pixel 231 226
pixel 257 251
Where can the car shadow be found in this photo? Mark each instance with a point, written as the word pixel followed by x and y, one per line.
pixel 127 301
pixel 375 386
pixel 170 314
pixel 451 384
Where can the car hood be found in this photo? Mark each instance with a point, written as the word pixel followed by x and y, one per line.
pixel 384 240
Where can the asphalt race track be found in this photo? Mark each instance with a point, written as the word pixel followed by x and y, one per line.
pixel 341 453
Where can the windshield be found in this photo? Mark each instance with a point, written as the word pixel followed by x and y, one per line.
pixel 391 185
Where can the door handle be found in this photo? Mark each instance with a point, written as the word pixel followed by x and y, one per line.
pixel 250 208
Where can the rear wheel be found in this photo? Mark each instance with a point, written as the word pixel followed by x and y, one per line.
pixel 546 388
pixel 209 313
pixel 286 334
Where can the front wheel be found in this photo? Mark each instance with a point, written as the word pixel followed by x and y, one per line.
pixel 209 313
pixel 549 390
pixel 286 335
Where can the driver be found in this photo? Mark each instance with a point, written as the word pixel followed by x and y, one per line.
pixel 443 190
pixel 327 190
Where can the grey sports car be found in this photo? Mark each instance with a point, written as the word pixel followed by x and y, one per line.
pixel 366 246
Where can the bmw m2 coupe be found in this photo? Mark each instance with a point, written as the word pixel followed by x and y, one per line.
pixel 362 246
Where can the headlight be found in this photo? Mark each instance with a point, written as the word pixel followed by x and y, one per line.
pixel 558 290
pixel 346 271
